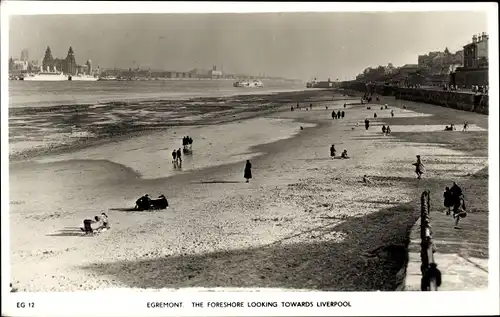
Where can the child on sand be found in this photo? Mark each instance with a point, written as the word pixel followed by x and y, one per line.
pixel 419 167
pixel 344 154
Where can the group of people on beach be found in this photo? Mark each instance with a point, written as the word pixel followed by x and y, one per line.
pixel 338 115
pixel 454 198
pixel 187 144
pixel 98 224
pixel 177 157
pixel 386 130
pixel 333 152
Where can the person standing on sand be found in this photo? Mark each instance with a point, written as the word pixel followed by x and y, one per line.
pixel 332 151
pixel 344 105
pixel 311 106
pixel 343 114
pixel 338 114
pixel 392 113
pixel 383 129
pixel 334 115
pixel 174 157
pixel 247 174
pixel 466 126
pixel 179 154
pixel 388 130
pixel 367 123
pixel 375 115
pixel 419 167
pixel 448 200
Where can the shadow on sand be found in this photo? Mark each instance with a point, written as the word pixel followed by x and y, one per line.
pixel 354 264
pixel 69 232
pixel 218 182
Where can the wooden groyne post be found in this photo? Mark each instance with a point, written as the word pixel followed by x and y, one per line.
pixel 431 276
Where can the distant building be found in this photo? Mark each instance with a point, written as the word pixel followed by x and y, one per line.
pixel 214 73
pixel 71 67
pixel 476 53
pixel 24 55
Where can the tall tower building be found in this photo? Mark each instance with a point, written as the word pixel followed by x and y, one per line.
pixel 48 60
pixel 70 62
pixel 24 55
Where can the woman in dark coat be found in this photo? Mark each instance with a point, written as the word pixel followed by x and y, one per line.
pixel 448 200
pixel 248 171
pixel 332 151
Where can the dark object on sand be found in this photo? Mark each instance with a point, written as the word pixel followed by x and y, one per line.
pixel 87 226
pixel 247 174
pixel 382 108
pixel 367 123
pixel 375 115
pixel 368 108
pixel 301 127
pixel 145 203
pixel 160 203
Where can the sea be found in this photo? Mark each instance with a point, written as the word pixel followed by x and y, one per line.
pixel 46 94
pixel 46 115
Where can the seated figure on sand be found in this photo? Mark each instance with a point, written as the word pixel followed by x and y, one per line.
pixel 143 203
pixel 101 221
pixel 344 154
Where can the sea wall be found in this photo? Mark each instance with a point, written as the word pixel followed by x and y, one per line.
pixel 452 99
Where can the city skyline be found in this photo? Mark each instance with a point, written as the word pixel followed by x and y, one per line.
pixel 291 45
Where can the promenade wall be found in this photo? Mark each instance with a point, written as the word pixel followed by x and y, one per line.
pixel 452 99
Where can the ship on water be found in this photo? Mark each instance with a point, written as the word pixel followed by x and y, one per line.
pixel 251 84
pixel 47 75
pixel 82 77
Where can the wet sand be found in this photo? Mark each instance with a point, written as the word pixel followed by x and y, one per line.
pixel 305 221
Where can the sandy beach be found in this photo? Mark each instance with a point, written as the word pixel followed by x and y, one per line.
pixel 305 221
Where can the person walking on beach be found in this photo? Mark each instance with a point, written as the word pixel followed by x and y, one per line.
pixel 334 115
pixel 466 126
pixel 343 114
pixel 311 106
pixel 174 157
pixel 298 106
pixel 448 200
pixel 367 123
pixel 459 210
pixel 388 130
pixel 375 115
pixel 338 114
pixel 345 105
pixel 179 154
pixel 247 174
pixel 392 113
pixel 332 151
pixel 419 167
pixel 383 129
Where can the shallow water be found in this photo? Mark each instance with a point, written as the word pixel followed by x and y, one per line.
pixel 151 155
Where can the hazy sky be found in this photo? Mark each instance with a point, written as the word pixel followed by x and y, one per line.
pixel 293 45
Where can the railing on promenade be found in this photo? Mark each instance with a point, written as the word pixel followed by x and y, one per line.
pixel 431 276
